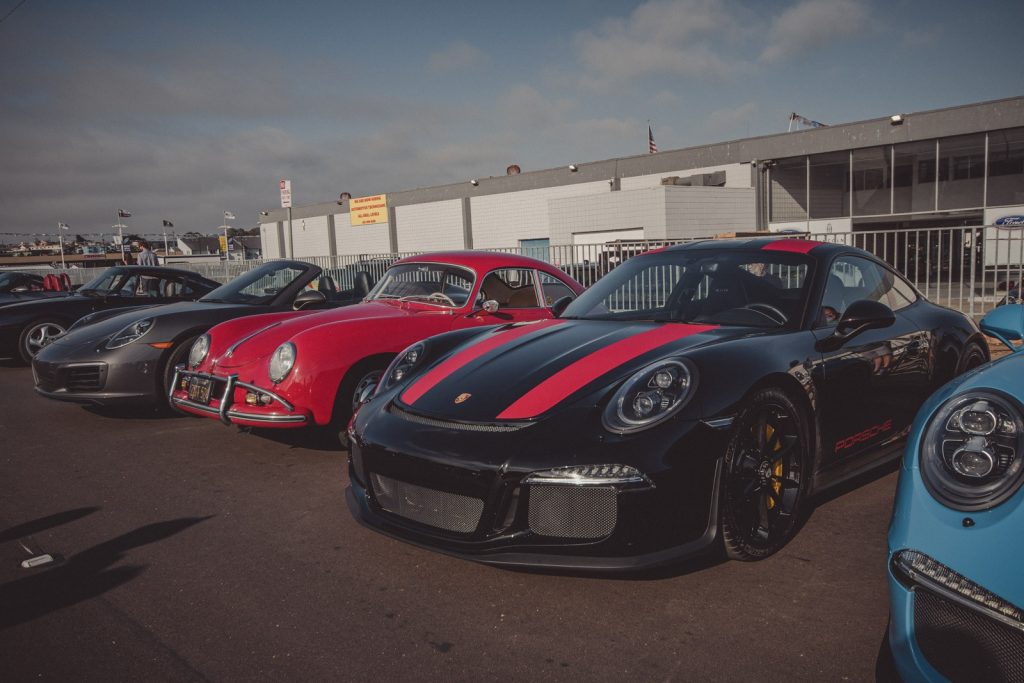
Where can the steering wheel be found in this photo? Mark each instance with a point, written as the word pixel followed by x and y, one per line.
pixel 769 311
pixel 443 298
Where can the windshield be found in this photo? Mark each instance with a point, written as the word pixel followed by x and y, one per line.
pixel 727 287
pixel 439 284
pixel 11 280
pixel 112 281
pixel 259 286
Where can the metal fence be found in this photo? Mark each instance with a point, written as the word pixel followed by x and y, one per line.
pixel 971 269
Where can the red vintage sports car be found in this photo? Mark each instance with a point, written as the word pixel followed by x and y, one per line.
pixel 299 369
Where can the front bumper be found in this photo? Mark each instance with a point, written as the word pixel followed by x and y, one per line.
pixel 938 633
pixel 468 494
pixel 280 413
pixel 113 381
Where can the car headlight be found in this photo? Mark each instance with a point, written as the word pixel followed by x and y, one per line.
pixel 649 397
pixel 130 333
pixel 198 352
pixel 402 366
pixel 281 362
pixel 971 451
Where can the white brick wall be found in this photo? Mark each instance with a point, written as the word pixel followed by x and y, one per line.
pixel 736 175
pixel 430 227
pixel 502 220
pixel 708 211
pixel 269 241
pixel 309 236
pixel 644 208
pixel 359 239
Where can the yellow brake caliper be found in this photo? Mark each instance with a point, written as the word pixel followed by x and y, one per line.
pixel 776 466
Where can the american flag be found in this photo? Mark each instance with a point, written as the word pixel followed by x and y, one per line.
pixel 121 213
pixel 651 146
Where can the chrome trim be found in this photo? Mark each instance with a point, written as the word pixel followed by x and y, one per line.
pixel 231 349
pixel 720 422
pixel 224 412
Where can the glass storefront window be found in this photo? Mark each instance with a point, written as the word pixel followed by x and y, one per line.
pixel 962 172
pixel 830 185
pixel 789 189
pixel 872 169
pixel 913 177
pixel 1006 167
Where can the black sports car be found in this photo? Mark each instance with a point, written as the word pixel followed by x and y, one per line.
pixel 16 287
pixel 120 357
pixel 27 327
pixel 696 395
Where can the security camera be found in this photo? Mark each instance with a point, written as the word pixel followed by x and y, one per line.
pixel 573 167
pixel 896 119
pixel 474 182
pixel 264 213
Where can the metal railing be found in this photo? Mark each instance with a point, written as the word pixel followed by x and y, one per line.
pixel 971 269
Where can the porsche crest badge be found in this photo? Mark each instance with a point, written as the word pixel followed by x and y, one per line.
pixel 461 398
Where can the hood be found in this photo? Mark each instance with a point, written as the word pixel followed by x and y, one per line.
pixel 260 335
pixel 520 372
pixel 111 321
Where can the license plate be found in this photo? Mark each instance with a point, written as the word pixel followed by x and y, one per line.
pixel 199 390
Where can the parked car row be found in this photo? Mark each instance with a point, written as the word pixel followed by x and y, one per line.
pixel 696 397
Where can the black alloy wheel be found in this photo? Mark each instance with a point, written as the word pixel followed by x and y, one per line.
pixel 972 358
pixel 764 476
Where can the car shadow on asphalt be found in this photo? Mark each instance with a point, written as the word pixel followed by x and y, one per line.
pixel 694 565
pixel 82 576
pixel 311 438
pixel 139 412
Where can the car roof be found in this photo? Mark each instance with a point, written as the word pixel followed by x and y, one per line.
pixel 481 260
pixel 768 243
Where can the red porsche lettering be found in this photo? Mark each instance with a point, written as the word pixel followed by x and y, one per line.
pixel 866 435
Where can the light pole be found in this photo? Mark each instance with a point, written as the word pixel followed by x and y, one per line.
pixel 61 227
pixel 121 213
pixel 228 216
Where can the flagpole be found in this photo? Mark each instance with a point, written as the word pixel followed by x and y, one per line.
pixel 120 235
pixel 60 241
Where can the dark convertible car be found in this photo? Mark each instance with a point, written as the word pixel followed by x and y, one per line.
pixel 121 357
pixel 27 327
pixel 696 396
pixel 16 287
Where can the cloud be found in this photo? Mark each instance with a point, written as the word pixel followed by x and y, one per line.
pixel 661 38
pixel 457 57
pixel 812 24
pixel 732 122
pixel 922 37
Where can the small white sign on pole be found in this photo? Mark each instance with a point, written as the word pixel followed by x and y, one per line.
pixel 286 194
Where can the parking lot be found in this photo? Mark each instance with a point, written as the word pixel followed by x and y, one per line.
pixel 194 551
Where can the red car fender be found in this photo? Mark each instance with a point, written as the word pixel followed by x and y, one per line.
pixel 224 334
pixel 325 354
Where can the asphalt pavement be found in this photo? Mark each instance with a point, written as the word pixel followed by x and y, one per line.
pixel 188 550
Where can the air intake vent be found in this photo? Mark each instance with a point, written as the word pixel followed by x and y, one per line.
pixel 85 378
pixel 567 511
pixel 440 509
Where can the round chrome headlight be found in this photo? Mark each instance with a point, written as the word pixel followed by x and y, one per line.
pixel 402 366
pixel 971 452
pixel 281 362
pixel 649 397
pixel 198 352
pixel 130 333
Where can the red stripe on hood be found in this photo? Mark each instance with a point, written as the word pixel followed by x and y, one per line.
pixel 435 376
pixel 571 378
pixel 795 246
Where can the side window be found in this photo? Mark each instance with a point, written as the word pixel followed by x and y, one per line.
pixel 850 279
pixel 511 288
pixel 553 289
pixel 902 294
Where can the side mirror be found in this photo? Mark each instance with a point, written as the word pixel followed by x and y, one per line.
pixel 490 307
pixel 860 316
pixel 559 306
pixel 1006 324
pixel 310 297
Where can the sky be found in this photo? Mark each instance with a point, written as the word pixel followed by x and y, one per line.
pixel 181 111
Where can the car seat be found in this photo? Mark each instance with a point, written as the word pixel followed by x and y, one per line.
pixel 361 283
pixel 326 285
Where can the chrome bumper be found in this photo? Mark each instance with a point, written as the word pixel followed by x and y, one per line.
pixel 224 411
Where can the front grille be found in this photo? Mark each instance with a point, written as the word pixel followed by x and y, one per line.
pixel 963 644
pixel 585 512
pixel 492 427
pixel 85 378
pixel 45 376
pixel 440 509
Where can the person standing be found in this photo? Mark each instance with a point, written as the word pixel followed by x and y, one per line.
pixel 146 256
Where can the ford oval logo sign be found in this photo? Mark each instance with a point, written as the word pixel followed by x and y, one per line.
pixel 1010 222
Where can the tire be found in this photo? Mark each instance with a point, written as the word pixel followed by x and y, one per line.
pixel 36 334
pixel 178 355
pixel 972 357
pixel 764 476
pixel 347 400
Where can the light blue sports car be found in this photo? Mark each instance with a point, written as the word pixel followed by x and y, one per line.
pixel 956 543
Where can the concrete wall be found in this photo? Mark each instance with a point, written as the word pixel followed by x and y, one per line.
pixel 430 227
pixel 736 175
pixel 359 239
pixel 309 237
pixel 705 211
pixel 501 220
pixel 623 210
